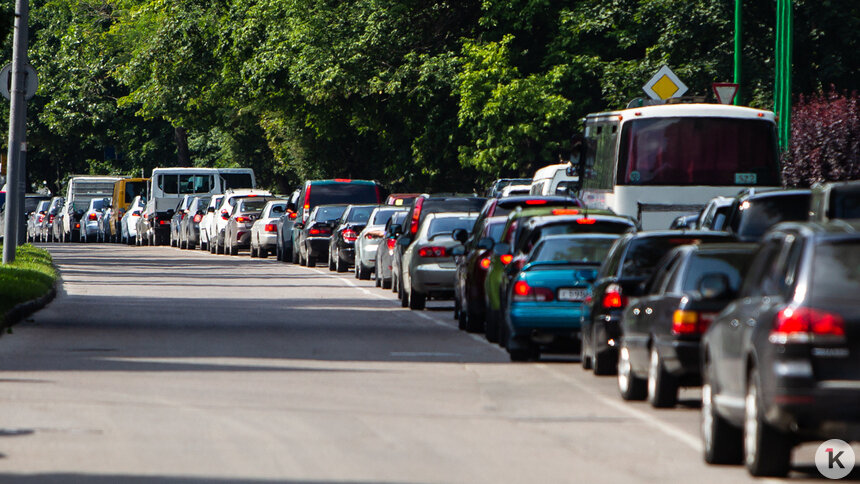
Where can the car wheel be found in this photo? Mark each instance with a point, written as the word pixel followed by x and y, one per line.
pixel 604 362
pixel 722 442
pixel 331 265
pixel 234 249
pixel 662 386
pixel 463 319
pixel 295 256
pixel 584 356
pixel 211 247
pixel 417 300
pixel 253 252
pixel 363 272
pixel 312 261
pixel 767 451
pixel 404 298
pixel 262 252
pixel 630 386
pixel 520 351
pixel 385 283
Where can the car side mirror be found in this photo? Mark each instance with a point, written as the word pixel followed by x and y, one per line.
pixel 458 250
pixel 404 241
pixel 715 285
pixel 460 235
pixel 486 243
pixel 299 225
pixel 395 230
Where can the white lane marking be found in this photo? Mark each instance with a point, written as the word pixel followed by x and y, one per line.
pixel 422 353
pixel 690 440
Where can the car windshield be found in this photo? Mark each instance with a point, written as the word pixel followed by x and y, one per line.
pixel 324 214
pixel 836 272
pixel 758 215
pixel 359 214
pixel 574 249
pixel 731 264
pixel 440 226
pixel 97 204
pixel 381 217
pixel 644 253
pixel 252 204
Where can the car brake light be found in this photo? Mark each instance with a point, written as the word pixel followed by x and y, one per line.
pixel 51 219
pixel 241 219
pixel 136 213
pixel 565 211
pixel 416 215
pixel 181 215
pixel 164 222
pixel 586 221
pixel 306 206
pixel 524 292
pixel 432 251
pixel 41 217
pixel 252 195
pixel 613 298
pixel 77 226
pixel 686 322
pixel 319 231
pixel 293 215
pixel 198 218
pixel 225 215
pixel 391 243
pixel 343 180
pixel 93 216
pixel 485 263
pixel 535 202
pixel 349 235
pixel 270 228
pixel 506 258
pixel 802 325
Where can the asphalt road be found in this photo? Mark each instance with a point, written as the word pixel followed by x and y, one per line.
pixel 182 367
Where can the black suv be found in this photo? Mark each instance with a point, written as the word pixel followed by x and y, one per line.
pixel 781 364
pixel 753 212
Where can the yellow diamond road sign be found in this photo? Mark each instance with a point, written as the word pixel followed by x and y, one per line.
pixel 664 85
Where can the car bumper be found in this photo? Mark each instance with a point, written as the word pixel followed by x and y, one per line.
pixel 607 332
pixel 825 411
pixel 268 240
pixel 549 317
pixel 682 359
pixel 430 278
pixel 317 246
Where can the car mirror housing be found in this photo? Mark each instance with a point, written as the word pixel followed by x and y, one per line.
pixel 458 250
pixel 460 235
pixel 486 243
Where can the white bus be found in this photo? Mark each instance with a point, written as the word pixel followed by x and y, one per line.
pixel 655 163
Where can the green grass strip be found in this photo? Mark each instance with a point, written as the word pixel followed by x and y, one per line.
pixel 29 277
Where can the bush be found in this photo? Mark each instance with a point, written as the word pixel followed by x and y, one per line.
pixel 31 276
pixel 825 140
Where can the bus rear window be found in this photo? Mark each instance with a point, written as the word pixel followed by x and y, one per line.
pixel 698 151
pixel 332 193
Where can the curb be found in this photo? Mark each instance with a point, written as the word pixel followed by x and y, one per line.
pixel 24 309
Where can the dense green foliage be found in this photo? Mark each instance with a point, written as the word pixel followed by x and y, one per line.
pixel 421 95
pixel 29 277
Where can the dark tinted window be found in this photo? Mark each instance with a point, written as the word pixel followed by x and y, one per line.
pixel 845 204
pixel 836 271
pixel 184 184
pixel 381 217
pixel 133 189
pixel 698 151
pixel 324 214
pixel 644 253
pixel 330 193
pixel 446 225
pixel 252 204
pixel 757 215
pixel 237 180
pixel 359 214
pixel 98 204
pixel 598 227
pixel 579 249
pixel 494 230
pixel 732 264
pixel 278 209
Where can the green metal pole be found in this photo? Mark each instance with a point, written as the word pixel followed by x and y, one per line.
pixel 738 52
pixel 782 81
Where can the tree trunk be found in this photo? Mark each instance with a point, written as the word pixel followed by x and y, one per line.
pixel 182 155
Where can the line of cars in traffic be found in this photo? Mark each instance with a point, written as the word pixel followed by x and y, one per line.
pixel 752 298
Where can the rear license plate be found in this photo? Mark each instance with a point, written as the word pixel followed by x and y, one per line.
pixel 568 294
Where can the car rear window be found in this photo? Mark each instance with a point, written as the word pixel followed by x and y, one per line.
pixel 574 249
pixel 252 205
pixel 381 217
pixel 732 264
pixel 644 253
pixel 329 213
pixel 587 227
pixel 133 189
pixel 495 229
pixel 758 215
pixel 446 225
pixel 836 271
pixel 360 214
pixel 331 193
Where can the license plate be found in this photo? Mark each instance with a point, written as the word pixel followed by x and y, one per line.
pixel 568 294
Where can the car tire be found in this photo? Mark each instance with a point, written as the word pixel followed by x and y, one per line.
pixel 404 298
pixel 262 252
pixel 234 249
pixel 385 283
pixel 630 386
pixel 767 451
pixel 662 386
pixel 311 260
pixel 253 252
pixel 584 355
pixel 463 319
pixel 340 265
pixel 331 265
pixel 295 256
pixel 722 442
pixel 417 300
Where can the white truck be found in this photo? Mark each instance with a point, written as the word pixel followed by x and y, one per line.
pixel 79 192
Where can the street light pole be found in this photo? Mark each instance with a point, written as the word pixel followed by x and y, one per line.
pixel 17 134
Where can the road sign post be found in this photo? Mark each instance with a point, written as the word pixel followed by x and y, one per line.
pixel 17 134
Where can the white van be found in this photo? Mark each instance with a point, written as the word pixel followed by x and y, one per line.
pixel 79 192
pixel 552 180
pixel 166 187
pixel 236 178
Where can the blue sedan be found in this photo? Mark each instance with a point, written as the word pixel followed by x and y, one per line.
pixel 543 306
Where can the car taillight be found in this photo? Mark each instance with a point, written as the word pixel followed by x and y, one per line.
pixel 523 292
pixel 686 322
pixel 51 219
pixel 41 217
pixel 613 298
pixel 391 244
pixel 198 218
pixel 802 325
pixel 241 219
pixel 586 221
pixel 181 215
pixel 306 205
pixel 349 235
pixel 485 263
pixel 164 222
pixel 136 213
pixel 318 231
pixel 535 202
pixel 416 215
pixel 506 258
pixel 225 215
pixel 432 251
pixel 293 215
pixel 77 226
pixel 565 211
pixel 271 228
pixel 93 216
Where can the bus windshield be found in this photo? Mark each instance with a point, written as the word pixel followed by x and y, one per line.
pixel 698 151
